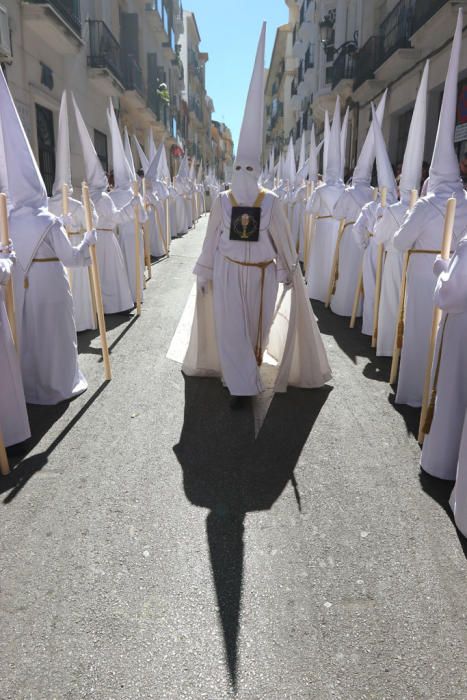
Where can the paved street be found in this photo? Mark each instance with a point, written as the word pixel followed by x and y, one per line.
pixel 151 547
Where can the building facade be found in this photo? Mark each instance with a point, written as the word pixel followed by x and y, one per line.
pixel 358 48
pixel 222 145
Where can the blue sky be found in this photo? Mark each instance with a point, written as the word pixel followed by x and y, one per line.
pixel 229 33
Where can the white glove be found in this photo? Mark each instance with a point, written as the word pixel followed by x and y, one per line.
pixel 90 237
pixel 67 220
pixel 136 201
pixel 202 285
pixel 6 265
pixel 440 265
pixel 7 250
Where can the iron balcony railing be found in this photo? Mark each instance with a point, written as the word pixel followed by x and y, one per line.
pixel 424 10
pixel 344 67
pixel 104 49
pixel 367 60
pixel 69 10
pixel 132 74
pixel 396 28
pixel 309 61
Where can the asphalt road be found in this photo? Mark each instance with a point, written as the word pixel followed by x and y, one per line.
pixel 153 547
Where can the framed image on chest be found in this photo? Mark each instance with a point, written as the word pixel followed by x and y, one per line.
pixel 245 224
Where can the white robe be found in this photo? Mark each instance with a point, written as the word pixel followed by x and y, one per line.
pixel 385 229
pixel 324 239
pixel 363 235
pixel 441 445
pixel 85 317
pixel 126 236
pixel 348 207
pixel 14 423
pixel 116 292
pixel 458 500
pixel 422 229
pixel 44 308
pixel 227 346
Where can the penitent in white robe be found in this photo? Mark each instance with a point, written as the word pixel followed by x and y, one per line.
pixel 348 207
pixel 458 500
pixel 116 292
pixel 44 307
pixel 363 235
pixel 422 229
pixel 324 239
pixel 14 423
pixel 385 229
pixel 85 316
pixel 441 445
pixel 233 299
pixel 126 236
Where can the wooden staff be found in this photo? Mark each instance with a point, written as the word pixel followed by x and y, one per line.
pixel 137 253
pixel 96 288
pixel 4 465
pixel 9 296
pixel 379 277
pixel 147 247
pixel 335 265
pixel 399 337
pixel 359 292
pixel 167 225
pixel 428 406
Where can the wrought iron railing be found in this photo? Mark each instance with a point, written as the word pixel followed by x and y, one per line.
pixel 396 28
pixel 344 67
pixel 132 74
pixel 367 60
pixel 70 11
pixel 424 10
pixel 104 49
pixel 309 60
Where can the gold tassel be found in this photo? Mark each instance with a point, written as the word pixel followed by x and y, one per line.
pixel 26 282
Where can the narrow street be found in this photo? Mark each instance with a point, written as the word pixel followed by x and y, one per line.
pixel 153 547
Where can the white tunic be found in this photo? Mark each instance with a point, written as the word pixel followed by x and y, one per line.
pixel 385 229
pixel 116 292
pixel 44 313
pixel 441 445
pixel 422 229
pixel 324 239
pixel 14 423
pixel 237 293
pixel 363 235
pixel 458 500
pixel 348 207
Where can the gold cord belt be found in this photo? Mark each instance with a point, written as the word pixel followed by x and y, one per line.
pixel 350 223
pixel 105 229
pixel 259 336
pixel 431 408
pixel 324 217
pixel 38 260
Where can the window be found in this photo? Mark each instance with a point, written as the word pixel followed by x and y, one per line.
pixel 100 144
pixel 46 145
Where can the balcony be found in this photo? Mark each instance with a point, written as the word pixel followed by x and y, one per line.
pixel 56 22
pixel 133 81
pixel 367 61
pixel 424 11
pixel 309 66
pixel 104 59
pixel 344 70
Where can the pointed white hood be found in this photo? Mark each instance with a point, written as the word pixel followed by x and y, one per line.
pixel 364 168
pixel 141 155
pixel 290 167
pixel 413 158
pixel 383 164
pixel 94 172
pixel 247 166
pixel 327 135
pixel 344 132
pixel 151 146
pixel 313 162
pixel 183 169
pixel 332 175
pixel 20 172
pixel 164 172
pixel 444 170
pixel 128 153
pixel 62 155
pixel 122 172
pixel 301 161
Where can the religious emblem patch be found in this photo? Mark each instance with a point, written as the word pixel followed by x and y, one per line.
pixel 244 225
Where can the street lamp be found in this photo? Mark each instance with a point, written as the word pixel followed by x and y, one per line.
pixel 326 31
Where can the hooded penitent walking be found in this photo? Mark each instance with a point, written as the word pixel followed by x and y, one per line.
pixel 422 231
pixel 44 307
pixel 116 293
pixel 348 208
pixel 85 316
pixel 321 206
pixel 391 221
pixel 247 253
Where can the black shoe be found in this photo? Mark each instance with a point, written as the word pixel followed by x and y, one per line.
pixel 238 402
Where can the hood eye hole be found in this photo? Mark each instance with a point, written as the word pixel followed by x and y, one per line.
pixel 249 168
pixel 238 167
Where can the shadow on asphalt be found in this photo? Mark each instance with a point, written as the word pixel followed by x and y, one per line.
pixel 41 419
pixel 112 321
pixel 228 471
pixel 440 491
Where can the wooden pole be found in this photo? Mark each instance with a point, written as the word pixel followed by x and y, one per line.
pixel 335 265
pixel 427 406
pixel 379 277
pixel 4 465
pixel 9 296
pixel 137 253
pixel 97 287
pixel 147 246
pixel 399 336
pixel 358 293
pixel 167 225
